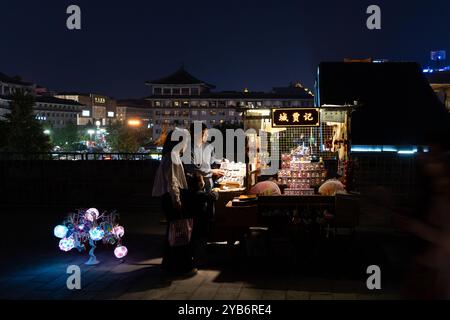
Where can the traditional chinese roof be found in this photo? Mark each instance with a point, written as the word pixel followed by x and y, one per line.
pixel 180 77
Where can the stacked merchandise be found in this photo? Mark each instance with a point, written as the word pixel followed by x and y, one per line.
pixel 300 175
pixel 234 175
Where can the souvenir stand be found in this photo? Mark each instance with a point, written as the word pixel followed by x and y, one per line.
pixel 309 146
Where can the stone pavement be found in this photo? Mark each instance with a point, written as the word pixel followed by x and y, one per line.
pixel 37 270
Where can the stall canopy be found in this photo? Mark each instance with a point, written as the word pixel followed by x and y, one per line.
pixel 396 105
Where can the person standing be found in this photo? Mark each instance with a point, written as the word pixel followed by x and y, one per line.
pixel 170 184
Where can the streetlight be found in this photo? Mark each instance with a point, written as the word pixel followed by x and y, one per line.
pixel 90 132
pixel 47 132
pixel 134 123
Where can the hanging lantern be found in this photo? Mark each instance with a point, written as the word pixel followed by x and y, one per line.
pixel 91 214
pixel 118 231
pixel 96 234
pixel 67 244
pixel 120 252
pixel 60 231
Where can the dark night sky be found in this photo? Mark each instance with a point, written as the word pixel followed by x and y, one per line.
pixel 232 44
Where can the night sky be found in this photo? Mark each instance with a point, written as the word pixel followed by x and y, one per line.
pixel 232 44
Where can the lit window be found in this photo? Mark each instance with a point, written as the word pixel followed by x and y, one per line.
pixel 86 113
pixel 110 114
pixel 176 103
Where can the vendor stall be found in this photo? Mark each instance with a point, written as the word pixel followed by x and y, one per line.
pixel 310 148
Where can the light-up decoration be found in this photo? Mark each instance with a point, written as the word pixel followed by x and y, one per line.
pixel 67 244
pixel 96 234
pixel 118 231
pixel 85 227
pixel 120 252
pixel 91 214
pixel 60 231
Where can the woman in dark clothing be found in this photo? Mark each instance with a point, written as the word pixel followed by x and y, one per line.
pixel 170 184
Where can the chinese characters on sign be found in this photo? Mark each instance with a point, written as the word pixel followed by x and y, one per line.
pixel 295 117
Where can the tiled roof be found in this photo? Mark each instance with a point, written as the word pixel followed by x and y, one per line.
pixel 181 76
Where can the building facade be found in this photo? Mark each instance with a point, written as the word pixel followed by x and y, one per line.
pixel 180 98
pixel 98 109
pixel 9 85
pixel 53 111
pixel 134 110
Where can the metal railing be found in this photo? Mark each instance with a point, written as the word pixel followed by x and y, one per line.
pixel 76 156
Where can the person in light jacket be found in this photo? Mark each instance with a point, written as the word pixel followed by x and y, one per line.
pixel 170 184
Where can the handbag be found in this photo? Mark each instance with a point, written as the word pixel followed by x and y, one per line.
pixel 180 232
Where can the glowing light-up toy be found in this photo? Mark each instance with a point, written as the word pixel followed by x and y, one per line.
pixel 89 226
pixel 96 234
pixel 60 231
pixel 120 252
pixel 67 244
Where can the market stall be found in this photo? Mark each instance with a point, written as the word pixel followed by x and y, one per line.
pixel 310 147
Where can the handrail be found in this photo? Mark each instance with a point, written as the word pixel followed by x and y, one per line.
pixel 72 156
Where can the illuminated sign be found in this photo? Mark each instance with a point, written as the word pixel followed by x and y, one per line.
pixel 100 100
pixel 85 113
pixel 110 114
pixel 295 117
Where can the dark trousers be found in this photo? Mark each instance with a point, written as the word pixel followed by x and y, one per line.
pixel 176 259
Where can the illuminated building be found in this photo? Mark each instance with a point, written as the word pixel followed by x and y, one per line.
pixel 97 107
pixel 180 98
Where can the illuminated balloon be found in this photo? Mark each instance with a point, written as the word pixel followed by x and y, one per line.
pixel 118 231
pixel 60 231
pixel 120 252
pixel 67 244
pixel 91 214
pixel 96 234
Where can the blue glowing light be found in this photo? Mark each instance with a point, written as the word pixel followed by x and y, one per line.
pixel 60 231
pixel 380 149
pixel 96 234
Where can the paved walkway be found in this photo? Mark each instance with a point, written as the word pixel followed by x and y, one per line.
pixel 37 270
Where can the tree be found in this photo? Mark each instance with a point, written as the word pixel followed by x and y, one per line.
pixel 66 137
pixel 23 132
pixel 122 138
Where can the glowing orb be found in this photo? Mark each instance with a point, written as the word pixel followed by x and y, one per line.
pixel 96 234
pixel 60 231
pixel 67 244
pixel 118 231
pixel 91 214
pixel 120 252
